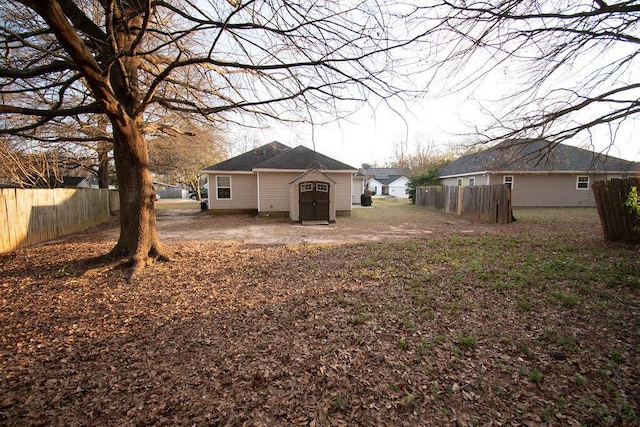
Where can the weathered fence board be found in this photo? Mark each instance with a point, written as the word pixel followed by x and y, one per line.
pixel 618 223
pixel 490 203
pixel 29 216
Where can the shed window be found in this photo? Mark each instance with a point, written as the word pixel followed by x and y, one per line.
pixel 509 181
pixel 306 186
pixel 322 186
pixel 583 183
pixel 223 187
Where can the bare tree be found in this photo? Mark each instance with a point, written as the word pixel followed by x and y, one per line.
pixel 424 155
pixel 178 159
pixel 134 60
pixel 576 63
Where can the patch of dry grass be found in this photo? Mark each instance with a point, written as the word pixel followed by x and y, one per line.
pixel 537 323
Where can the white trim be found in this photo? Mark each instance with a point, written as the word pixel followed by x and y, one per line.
pixel 472 181
pixel 221 172
pixel 623 173
pixel 465 174
pixel 504 180
pixel 230 187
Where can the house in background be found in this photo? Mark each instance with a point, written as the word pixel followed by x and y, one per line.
pixel 387 181
pixel 65 181
pixel 538 172
pixel 278 180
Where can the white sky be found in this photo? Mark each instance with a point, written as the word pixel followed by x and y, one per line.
pixel 368 138
pixel 447 120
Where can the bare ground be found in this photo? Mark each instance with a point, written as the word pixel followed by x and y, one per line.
pixel 400 316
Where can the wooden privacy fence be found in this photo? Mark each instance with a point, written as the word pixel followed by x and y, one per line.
pixel 490 203
pixel 618 223
pixel 29 216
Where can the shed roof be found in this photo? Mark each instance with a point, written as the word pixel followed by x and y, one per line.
pixel 537 156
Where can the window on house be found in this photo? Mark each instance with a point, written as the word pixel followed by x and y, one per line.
pixel 508 180
pixel 460 182
pixel 583 183
pixel 472 181
pixel 223 187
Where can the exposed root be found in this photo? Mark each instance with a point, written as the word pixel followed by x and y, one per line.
pixel 139 263
pixel 132 264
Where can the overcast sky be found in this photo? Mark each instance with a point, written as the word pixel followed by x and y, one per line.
pixel 445 122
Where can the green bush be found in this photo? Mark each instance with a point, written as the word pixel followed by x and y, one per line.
pixel 430 177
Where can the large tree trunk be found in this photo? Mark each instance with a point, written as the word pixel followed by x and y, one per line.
pixel 138 239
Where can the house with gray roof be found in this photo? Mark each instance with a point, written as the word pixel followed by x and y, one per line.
pixel 387 181
pixel 275 179
pixel 539 173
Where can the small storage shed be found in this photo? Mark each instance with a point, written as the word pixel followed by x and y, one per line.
pixel 312 197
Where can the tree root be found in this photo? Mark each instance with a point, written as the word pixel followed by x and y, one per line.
pixel 132 264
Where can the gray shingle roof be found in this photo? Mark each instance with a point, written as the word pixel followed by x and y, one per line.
pixel 247 161
pixel 279 156
pixel 537 156
pixel 302 158
pixel 386 175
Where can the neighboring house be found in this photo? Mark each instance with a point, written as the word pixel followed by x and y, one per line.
pixel 538 173
pixel 64 181
pixel 169 191
pixel 387 181
pixel 276 179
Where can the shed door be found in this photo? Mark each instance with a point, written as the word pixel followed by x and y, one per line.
pixel 314 201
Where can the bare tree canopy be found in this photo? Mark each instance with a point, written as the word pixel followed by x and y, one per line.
pixel 576 63
pixel 136 60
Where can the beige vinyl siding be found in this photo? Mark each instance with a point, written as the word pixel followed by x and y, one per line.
pixel 274 190
pixel 244 192
pixel 481 179
pixel 550 190
pixel 343 190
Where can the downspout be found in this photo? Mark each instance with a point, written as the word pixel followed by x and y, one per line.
pixel 258 189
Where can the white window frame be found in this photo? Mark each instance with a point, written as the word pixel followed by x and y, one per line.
pixel 472 181
pixel 218 186
pixel 322 186
pixel 581 180
pixel 509 181
pixel 460 182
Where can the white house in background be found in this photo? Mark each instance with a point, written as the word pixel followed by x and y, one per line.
pixel 538 172
pixel 278 180
pixel 387 181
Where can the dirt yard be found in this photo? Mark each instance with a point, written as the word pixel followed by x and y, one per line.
pixel 386 220
pixel 395 316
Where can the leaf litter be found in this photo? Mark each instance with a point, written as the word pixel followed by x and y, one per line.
pixel 453 328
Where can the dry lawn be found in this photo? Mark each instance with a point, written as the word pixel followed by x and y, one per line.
pixel 531 323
